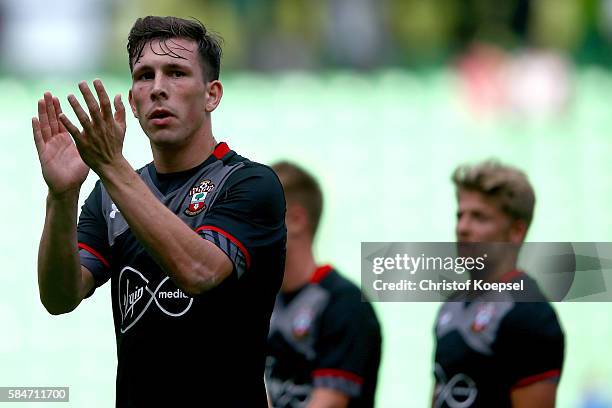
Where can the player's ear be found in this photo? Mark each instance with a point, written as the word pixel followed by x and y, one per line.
pixel 132 105
pixel 518 231
pixel 214 92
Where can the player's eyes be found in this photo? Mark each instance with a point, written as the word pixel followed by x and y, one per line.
pixel 178 74
pixel 480 217
pixel 144 76
pixel 476 216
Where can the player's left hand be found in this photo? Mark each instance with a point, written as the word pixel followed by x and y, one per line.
pixel 100 143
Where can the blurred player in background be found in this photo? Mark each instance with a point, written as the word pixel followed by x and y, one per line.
pixel 324 345
pixel 494 350
pixel 193 243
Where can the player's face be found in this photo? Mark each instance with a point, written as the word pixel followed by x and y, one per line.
pixel 169 95
pixel 479 219
pixel 296 220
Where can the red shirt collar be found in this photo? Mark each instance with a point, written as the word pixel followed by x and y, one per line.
pixel 221 150
pixel 513 274
pixel 320 273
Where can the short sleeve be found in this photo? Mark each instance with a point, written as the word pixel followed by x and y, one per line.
pixel 94 250
pixel 349 345
pixel 532 344
pixel 248 215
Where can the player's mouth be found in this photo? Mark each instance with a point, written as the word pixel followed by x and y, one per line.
pixel 160 117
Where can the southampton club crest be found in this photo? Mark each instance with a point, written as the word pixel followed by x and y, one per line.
pixel 198 195
pixel 484 316
pixel 300 326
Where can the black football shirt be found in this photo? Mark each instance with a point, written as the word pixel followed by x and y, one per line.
pixel 495 343
pixel 323 335
pixel 206 350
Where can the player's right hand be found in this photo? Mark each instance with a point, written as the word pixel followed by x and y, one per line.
pixel 62 166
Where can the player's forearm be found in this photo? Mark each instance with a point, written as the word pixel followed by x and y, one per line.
pixel 327 398
pixel 538 395
pixel 181 252
pixel 325 404
pixel 59 272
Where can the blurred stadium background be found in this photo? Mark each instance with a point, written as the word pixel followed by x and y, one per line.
pixel 381 99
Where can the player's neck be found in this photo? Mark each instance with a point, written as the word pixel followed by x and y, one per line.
pixel 299 267
pixel 184 157
pixel 495 272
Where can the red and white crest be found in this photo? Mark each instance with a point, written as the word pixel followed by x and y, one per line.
pixel 301 323
pixel 198 197
pixel 483 317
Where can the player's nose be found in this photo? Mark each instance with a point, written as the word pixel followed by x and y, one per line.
pixel 159 89
pixel 463 229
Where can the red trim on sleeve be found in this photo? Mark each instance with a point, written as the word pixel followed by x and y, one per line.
pixel 331 372
pixel 230 237
pixel 547 375
pixel 94 253
pixel 320 273
pixel 513 274
pixel 221 150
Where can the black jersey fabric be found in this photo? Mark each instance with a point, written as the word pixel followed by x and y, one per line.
pixel 193 351
pixel 495 343
pixel 323 335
